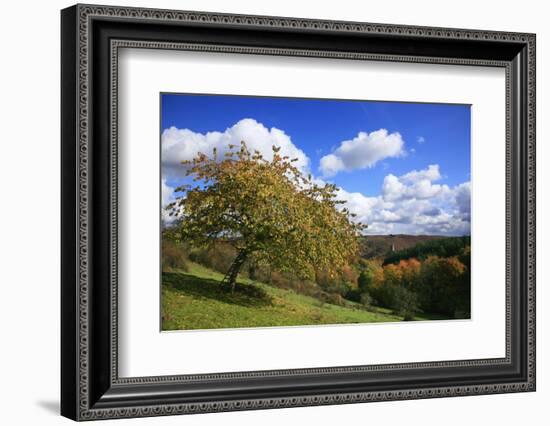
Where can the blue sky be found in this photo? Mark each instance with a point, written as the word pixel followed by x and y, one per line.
pixel 368 148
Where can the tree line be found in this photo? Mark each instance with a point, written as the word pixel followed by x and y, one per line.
pixel 436 285
pixel 433 285
pixel 441 247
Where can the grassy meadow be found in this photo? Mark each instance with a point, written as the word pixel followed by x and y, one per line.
pixel 195 299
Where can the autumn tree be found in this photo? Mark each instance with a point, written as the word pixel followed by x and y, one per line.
pixel 364 280
pixel 410 271
pixel 444 286
pixel 268 210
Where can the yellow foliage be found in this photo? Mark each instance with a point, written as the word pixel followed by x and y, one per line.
pixel 267 210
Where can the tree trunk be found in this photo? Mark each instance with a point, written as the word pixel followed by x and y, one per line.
pixel 234 269
pixel 252 270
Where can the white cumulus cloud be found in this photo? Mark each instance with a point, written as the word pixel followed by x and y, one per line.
pixel 167 193
pixel 185 144
pixel 463 199
pixel 167 196
pixel 413 204
pixel 362 152
pixel 416 184
pixel 430 174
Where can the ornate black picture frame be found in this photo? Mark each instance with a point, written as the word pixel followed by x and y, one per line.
pixel 91 36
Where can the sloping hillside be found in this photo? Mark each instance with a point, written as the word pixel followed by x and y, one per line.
pixel 194 300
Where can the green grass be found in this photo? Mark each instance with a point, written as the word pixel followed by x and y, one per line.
pixel 196 300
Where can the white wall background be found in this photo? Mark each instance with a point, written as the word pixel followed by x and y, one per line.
pixel 29 213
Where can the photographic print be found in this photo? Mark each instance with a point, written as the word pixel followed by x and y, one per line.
pixel 281 211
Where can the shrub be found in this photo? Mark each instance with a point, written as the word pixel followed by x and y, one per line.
pixel 173 256
pixel 218 257
pixel 366 300
pixel 365 279
pixel 444 286
pixel 354 295
pixel 335 299
pixel 405 303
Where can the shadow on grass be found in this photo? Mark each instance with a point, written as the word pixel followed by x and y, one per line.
pixel 244 294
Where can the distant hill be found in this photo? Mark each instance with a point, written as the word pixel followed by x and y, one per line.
pixel 442 247
pixel 381 245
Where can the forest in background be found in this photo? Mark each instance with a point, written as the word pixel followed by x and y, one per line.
pixel 410 277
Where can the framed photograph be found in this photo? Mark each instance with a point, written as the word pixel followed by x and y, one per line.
pixel 263 212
